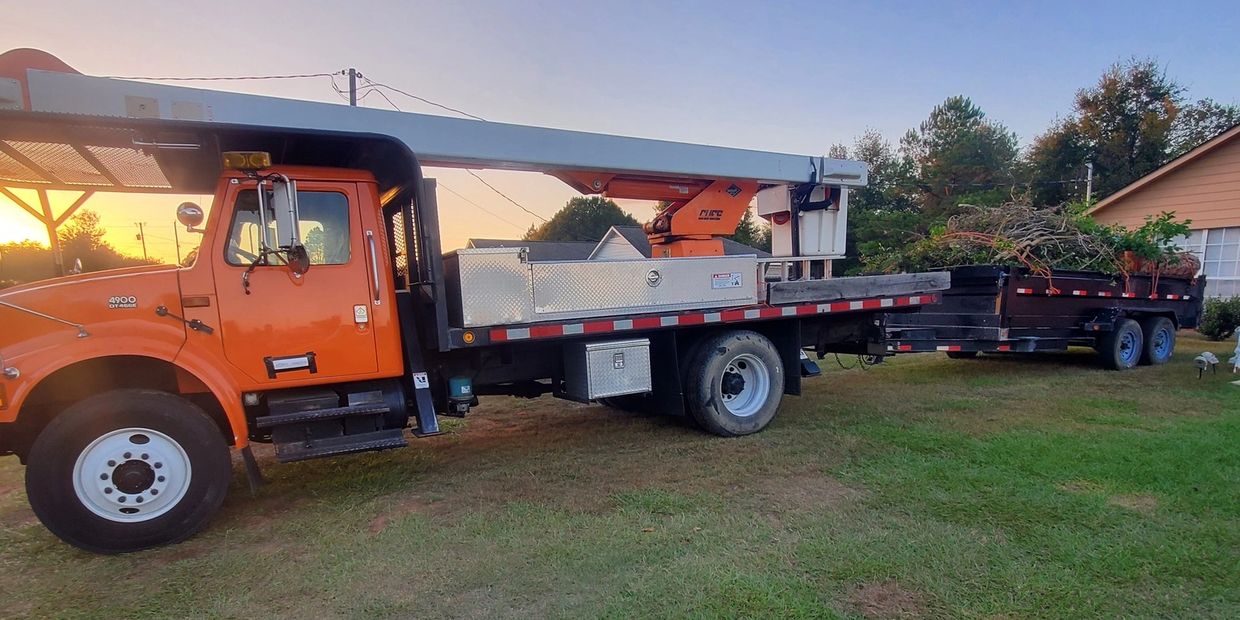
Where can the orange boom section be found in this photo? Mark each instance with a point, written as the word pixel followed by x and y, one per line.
pixel 700 210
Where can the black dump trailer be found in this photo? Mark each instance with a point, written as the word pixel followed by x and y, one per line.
pixel 993 309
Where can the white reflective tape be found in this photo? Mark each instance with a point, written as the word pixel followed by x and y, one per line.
pixel 519 334
pixel 753 314
pixel 855 305
pixel 887 303
pixel 788 311
pixel 824 308
pixel 669 321
pixel 624 324
pixel 573 328
pixel 914 300
pixel 712 317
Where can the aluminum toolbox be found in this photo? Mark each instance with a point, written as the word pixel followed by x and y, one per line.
pixel 499 286
pixel 602 369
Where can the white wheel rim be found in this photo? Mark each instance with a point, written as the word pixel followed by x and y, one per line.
pixel 745 385
pixel 131 475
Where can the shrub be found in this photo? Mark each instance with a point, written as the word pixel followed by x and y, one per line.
pixel 1220 318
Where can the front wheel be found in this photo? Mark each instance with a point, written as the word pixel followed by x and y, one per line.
pixel 735 383
pixel 1120 349
pixel 126 470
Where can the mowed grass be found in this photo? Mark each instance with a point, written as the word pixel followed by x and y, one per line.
pixel 1002 487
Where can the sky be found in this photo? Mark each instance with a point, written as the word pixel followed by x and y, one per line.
pixel 782 76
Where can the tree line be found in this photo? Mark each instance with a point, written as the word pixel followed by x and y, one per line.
pixel 1133 120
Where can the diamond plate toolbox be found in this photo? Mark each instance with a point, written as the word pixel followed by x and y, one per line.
pixel 498 286
pixel 488 286
pixel 602 369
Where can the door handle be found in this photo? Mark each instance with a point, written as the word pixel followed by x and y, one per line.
pixel 374 264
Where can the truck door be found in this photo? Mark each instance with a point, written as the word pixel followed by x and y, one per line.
pixel 291 329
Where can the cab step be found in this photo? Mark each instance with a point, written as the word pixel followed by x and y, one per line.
pixel 345 444
pixel 311 415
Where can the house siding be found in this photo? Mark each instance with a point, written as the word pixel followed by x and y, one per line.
pixel 1205 190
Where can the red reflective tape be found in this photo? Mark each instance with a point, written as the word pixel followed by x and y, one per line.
pixel 811 309
pixel 732 315
pixel 771 313
pixel 1079 292
pixel 1104 293
pixel 648 322
pixel 546 331
pixel 840 306
pixel 1024 291
pixel 692 319
pixel 1004 347
pixel 905 347
pixel 595 327
pixel 871 304
pixel 499 335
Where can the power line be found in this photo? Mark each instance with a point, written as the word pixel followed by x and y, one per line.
pixel 375 88
pixel 484 209
pixel 506 197
pixel 374 84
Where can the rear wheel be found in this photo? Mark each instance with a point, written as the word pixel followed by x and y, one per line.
pixel 126 470
pixel 735 383
pixel 1120 349
pixel 1159 340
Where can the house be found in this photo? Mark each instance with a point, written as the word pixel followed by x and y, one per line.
pixel 619 243
pixel 1202 185
pixel 541 250
pixel 622 242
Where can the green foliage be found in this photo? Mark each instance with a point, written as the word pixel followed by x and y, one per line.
pixel 1132 121
pixel 1199 122
pixel 1021 235
pixel 956 152
pixel 1154 240
pixel 1220 318
pixel 583 218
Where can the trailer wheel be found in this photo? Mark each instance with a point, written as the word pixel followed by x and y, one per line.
pixel 1120 349
pixel 126 470
pixel 962 355
pixel 1159 340
pixel 735 383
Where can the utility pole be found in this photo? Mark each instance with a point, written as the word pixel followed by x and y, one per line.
pixel 142 238
pixel 1089 181
pixel 352 86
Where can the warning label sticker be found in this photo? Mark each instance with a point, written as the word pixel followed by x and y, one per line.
pixel 725 280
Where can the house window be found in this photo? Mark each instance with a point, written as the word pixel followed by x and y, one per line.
pixel 1219 252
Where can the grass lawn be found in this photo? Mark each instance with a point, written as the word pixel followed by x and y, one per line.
pixel 1002 487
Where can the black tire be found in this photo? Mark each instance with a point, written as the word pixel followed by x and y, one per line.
pixel 1159 342
pixel 962 355
pixel 1120 348
pixel 93 423
pixel 705 392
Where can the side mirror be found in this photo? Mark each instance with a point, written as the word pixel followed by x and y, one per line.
pixel 298 260
pixel 284 206
pixel 190 216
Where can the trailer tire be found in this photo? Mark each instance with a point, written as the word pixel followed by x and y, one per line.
pixel 962 355
pixel 1159 342
pixel 735 383
pixel 1120 348
pixel 128 469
